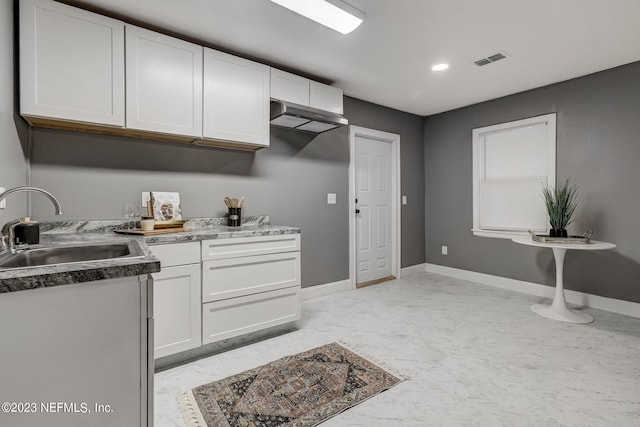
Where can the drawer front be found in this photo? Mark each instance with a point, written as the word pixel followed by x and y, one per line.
pixel 238 316
pixel 177 253
pixel 229 278
pixel 248 246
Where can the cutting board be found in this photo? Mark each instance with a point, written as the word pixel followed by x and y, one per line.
pixel 152 232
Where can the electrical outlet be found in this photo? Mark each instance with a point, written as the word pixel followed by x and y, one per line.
pixel 331 198
pixel 404 200
pixel 445 250
pixel 3 204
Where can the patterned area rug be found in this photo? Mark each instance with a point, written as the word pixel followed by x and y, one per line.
pixel 296 391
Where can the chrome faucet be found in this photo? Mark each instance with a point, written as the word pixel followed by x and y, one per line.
pixel 8 234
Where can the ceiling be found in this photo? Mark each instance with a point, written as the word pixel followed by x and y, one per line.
pixel 388 59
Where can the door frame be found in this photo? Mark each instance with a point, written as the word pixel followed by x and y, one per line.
pixel 394 140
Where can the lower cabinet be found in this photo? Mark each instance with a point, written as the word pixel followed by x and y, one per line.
pixel 223 288
pixel 235 277
pixel 84 345
pixel 177 309
pixel 249 284
pixel 176 299
pixel 237 316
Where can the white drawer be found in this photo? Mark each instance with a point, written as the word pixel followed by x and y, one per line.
pixel 177 253
pixel 229 278
pixel 248 246
pixel 238 316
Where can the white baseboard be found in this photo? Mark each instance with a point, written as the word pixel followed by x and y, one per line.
pixel 573 297
pixel 326 289
pixel 418 268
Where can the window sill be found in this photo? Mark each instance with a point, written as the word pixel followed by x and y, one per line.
pixel 496 234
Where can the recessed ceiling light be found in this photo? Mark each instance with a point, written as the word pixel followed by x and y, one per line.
pixel 440 67
pixel 334 14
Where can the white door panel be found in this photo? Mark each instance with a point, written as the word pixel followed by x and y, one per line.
pixel 363 172
pixel 381 171
pixel 382 226
pixel 373 222
pixel 363 228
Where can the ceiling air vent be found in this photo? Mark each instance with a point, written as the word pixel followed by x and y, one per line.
pixel 481 62
pixel 496 57
pixel 490 59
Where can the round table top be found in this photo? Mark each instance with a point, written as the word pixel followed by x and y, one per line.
pixel 594 245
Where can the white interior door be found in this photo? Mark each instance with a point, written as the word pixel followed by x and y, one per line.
pixel 373 209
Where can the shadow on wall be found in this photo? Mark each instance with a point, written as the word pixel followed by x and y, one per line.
pixel 90 150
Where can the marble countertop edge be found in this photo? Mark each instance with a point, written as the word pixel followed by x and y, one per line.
pixel 20 279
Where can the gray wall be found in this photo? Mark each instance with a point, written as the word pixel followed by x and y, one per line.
pixel 598 146
pixel 13 170
pixel 94 175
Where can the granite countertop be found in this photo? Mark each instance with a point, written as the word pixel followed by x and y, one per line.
pixel 21 279
pixel 74 232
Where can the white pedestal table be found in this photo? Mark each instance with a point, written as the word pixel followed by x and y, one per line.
pixel 558 310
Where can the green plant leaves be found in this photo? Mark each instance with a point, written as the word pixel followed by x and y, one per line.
pixel 561 203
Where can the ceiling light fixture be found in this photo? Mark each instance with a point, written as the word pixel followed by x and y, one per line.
pixel 334 14
pixel 440 67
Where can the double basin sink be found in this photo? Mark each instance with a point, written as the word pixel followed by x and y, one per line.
pixel 42 256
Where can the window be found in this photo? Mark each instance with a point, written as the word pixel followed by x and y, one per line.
pixel 511 164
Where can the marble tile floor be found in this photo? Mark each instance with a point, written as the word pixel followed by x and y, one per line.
pixel 475 355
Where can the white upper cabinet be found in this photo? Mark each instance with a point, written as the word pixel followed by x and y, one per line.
pixel 300 90
pixel 289 87
pixel 325 97
pixel 164 83
pixel 71 64
pixel 236 99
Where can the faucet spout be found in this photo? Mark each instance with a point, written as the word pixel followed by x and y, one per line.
pixel 7 241
pixel 56 203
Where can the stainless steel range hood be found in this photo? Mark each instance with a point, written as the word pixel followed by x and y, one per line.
pixel 300 117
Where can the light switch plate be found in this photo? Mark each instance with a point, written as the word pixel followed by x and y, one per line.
pixel 331 198
pixel 404 200
pixel 445 250
pixel 3 204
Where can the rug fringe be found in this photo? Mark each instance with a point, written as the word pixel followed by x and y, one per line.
pixel 374 360
pixel 189 408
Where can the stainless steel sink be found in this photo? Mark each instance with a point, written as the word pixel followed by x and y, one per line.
pixel 64 254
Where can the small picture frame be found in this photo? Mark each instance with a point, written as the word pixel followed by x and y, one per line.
pixel 165 206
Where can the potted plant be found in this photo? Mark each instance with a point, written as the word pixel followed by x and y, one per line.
pixel 561 203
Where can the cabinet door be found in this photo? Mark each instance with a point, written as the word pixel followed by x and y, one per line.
pixel 177 309
pixel 289 87
pixel 164 83
pixel 83 342
pixel 325 97
pixel 71 64
pixel 236 99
